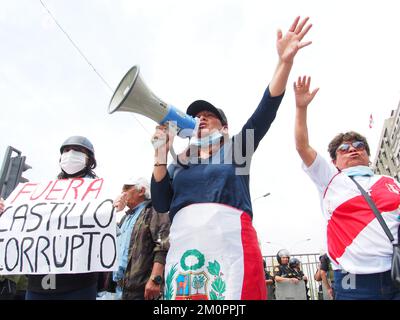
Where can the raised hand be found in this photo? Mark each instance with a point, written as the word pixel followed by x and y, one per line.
pixel 303 98
pixel 302 92
pixel 120 202
pixel 287 47
pixel 290 43
pixel 162 140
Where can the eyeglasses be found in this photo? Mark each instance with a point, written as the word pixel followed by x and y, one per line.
pixel 344 147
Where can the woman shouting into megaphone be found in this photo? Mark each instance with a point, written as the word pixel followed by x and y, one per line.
pixel 214 251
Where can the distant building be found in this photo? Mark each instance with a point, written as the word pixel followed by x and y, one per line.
pixel 387 159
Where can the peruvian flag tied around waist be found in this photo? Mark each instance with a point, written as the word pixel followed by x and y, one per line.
pixel 213 255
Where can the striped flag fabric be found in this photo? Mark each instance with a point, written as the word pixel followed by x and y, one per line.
pixel 213 255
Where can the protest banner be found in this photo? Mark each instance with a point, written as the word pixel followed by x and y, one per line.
pixel 59 226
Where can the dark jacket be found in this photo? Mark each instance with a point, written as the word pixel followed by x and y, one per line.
pixel 144 250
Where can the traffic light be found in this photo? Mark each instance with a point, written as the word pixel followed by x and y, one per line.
pixel 11 171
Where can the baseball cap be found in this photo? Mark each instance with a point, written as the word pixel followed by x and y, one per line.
pixel 202 105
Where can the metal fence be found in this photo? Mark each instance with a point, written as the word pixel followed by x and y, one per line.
pixel 309 265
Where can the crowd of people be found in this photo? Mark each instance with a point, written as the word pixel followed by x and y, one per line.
pixel 188 233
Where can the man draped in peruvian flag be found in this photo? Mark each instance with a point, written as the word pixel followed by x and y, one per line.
pixel 359 249
pixel 214 252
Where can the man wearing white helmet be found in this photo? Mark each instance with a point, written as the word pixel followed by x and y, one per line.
pixel 142 243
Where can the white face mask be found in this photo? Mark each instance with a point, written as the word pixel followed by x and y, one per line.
pixel 211 139
pixel 73 161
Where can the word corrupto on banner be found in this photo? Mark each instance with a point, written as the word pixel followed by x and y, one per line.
pixel 60 226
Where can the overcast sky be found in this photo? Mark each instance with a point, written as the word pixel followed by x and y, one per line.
pixel 220 51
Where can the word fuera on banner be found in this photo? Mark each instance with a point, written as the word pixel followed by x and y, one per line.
pixel 60 226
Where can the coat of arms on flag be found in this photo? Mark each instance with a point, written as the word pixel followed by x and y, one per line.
pixel 193 282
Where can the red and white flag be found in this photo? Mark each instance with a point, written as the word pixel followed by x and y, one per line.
pixel 213 255
pixel 371 121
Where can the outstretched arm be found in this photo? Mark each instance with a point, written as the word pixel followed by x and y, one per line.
pixel 303 99
pixel 161 188
pixel 262 118
pixel 287 47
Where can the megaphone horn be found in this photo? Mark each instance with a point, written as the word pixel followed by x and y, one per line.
pixel 132 95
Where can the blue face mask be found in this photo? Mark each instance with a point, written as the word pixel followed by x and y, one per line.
pixel 358 171
pixel 209 140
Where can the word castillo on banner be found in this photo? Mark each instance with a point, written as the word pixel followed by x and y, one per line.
pixel 58 226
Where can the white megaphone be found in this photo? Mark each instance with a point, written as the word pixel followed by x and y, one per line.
pixel 132 95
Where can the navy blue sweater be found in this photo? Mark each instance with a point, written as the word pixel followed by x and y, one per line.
pixel 223 178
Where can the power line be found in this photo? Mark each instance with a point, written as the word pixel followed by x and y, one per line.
pixel 84 57
pixel 76 47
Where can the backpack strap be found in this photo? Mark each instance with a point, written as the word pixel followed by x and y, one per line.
pixel 375 210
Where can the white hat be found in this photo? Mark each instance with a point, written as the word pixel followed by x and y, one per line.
pixel 140 183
